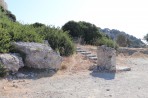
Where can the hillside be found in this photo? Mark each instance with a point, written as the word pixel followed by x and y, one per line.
pixel 134 42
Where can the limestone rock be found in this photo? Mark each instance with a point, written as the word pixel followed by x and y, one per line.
pixel 38 55
pixel 11 61
pixel 106 58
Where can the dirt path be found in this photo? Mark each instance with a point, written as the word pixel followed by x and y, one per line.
pixel 86 84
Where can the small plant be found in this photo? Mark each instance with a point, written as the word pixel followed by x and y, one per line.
pixel 3 70
pixel 63 67
pixel 4 41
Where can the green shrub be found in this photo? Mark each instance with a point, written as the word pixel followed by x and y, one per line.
pixel 89 32
pixel 58 40
pixel 3 70
pixel 106 41
pixel 13 31
pixel 25 34
pixel 4 41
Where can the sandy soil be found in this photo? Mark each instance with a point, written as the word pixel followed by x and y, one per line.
pixel 78 82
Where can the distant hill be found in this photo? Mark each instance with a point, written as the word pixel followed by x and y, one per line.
pixel 113 34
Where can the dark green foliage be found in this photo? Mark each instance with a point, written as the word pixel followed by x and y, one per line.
pixel 74 29
pixel 3 70
pixel 1 9
pixel 4 41
pixel 36 25
pixel 58 39
pixel 11 16
pixel 89 33
pixel 7 14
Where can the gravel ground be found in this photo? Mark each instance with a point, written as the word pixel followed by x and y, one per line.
pixel 85 84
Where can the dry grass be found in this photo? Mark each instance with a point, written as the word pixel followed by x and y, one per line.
pixel 91 48
pixel 138 54
pixel 76 62
pixel 79 62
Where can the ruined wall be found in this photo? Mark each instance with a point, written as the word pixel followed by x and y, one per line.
pixel 3 4
pixel 106 58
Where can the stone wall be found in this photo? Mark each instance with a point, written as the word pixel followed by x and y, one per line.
pixel 106 58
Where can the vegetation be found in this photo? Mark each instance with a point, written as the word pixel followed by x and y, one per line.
pixel 89 32
pixel 123 41
pixel 13 31
pixel 107 41
pixel 4 41
pixel 128 40
pixel 3 70
pixel 57 38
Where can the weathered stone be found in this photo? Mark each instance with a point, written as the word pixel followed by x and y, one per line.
pixel 106 58
pixel 38 55
pixel 21 75
pixel 11 61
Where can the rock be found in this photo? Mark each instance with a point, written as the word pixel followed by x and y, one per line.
pixel 11 61
pixel 21 75
pixel 38 55
pixel 106 58
pixel 123 68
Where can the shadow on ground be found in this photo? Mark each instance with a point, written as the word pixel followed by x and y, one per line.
pixel 104 75
pixel 31 73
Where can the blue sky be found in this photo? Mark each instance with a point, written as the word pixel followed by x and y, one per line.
pixel 130 16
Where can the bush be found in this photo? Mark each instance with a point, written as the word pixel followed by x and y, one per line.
pixel 25 34
pixel 106 41
pixel 3 70
pixel 83 29
pixel 13 31
pixel 4 41
pixel 58 40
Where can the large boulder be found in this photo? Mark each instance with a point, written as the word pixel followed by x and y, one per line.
pixel 38 55
pixel 106 58
pixel 11 61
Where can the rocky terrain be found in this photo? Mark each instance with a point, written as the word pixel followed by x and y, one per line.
pixel 76 81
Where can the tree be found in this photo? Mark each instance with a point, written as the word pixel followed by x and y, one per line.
pixel 90 31
pixel 87 31
pixel 122 40
pixel 73 28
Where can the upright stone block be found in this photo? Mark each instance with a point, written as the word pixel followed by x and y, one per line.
pixel 106 58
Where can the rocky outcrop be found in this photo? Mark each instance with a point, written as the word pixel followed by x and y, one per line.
pixel 11 61
pixel 3 4
pixel 106 58
pixel 37 55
